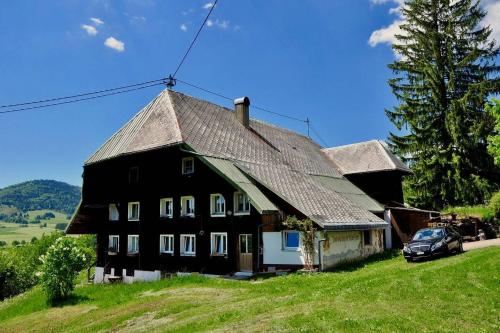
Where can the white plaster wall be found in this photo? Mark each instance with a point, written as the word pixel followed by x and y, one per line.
pixel 141 276
pixel 274 254
pixel 99 275
pixel 348 245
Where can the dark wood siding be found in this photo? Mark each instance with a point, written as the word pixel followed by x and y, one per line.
pixel 160 176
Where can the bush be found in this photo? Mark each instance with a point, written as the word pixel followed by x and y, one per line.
pixel 495 204
pixel 19 265
pixel 61 226
pixel 60 268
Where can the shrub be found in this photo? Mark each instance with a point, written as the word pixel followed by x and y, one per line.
pixel 495 204
pixel 15 243
pixel 60 268
pixel 61 226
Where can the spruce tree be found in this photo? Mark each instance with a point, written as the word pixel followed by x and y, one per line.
pixel 443 76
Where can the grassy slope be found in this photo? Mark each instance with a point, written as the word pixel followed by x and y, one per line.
pixel 11 231
pixel 459 294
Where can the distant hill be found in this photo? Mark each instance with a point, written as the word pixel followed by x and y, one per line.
pixel 41 194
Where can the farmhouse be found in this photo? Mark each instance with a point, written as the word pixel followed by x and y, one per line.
pixel 187 185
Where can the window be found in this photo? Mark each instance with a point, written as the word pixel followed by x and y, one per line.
pixel 133 244
pixel 217 205
pixel 166 207
pixel 291 240
pixel 218 243
pixel 113 213
pixel 188 245
pixel 246 243
pixel 367 236
pixel 133 211
pixel 167 244
pixel 187 206
pixel 241 204
pixel 133 175
pixel 187 166
pixel 114 243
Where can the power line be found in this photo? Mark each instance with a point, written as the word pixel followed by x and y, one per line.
pixel 318 136
pixel 80 99
pixel 162 80
pixel 232 99
pixel 195 38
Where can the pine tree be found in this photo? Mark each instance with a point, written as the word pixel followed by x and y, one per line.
pixel 444 74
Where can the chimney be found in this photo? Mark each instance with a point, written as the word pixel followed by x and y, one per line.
pixel 241 106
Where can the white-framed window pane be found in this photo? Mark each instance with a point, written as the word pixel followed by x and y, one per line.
pixel 219 243
pixel 187 165
pixel 218 204
pixel 133 244
pixel 188 245
pixel 166 207
pixel 242 203
pixel 187 206
pixel 114 243
pixel 291 239
pixel 113 213
pixel 133 210
pixel 167 243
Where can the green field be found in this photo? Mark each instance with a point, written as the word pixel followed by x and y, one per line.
pixel 12 231
pixel 455 294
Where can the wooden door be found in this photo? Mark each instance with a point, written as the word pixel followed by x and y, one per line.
pixel 245 250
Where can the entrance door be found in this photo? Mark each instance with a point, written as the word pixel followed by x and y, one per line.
pixel 246 253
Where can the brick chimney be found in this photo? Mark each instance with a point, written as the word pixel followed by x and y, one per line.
pixel 241 108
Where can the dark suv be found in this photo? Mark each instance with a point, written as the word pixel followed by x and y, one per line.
pixel 430 242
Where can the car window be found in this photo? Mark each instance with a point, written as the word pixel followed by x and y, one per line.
pixel 427 234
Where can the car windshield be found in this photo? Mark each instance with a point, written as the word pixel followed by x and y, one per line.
pixel 426 234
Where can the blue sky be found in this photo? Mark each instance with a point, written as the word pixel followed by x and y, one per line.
pixel 326 60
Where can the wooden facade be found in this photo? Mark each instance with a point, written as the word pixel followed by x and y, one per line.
pixel 160 176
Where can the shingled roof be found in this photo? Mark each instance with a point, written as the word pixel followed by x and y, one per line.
pixel 289 164
pixel 364 157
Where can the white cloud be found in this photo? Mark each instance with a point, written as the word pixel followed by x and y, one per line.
pixel 385 35
pixel 96 21
pixel 223 24
pixel 184 27
pixel 208 5
pixel 210 23
pixel 115 44
pixel 91 31
pixel 493 19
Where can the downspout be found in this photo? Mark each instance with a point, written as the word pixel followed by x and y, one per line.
pixel 320 254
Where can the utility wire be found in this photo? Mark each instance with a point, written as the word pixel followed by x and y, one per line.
pixel 318 136
pixel 83 94
pixel 81 99
pixel 232 99
pixel 194 39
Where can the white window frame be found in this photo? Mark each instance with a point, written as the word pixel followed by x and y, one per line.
pixel 163 239
pixel 129 244
pixel 163 212
pixel 184 160
pixel 213 205
pixel 183 243
pixel 284 238
pixel 130 217
pixel 117 243
pixel 236 201
pixel 213 244
pixel 183 206
pixel 114 213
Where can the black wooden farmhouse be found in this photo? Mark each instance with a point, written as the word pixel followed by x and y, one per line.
pixel 187 185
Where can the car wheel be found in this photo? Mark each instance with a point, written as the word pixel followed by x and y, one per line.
pixel 409 260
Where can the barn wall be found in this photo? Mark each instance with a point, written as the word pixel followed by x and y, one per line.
pixel 274 254
pixel 342 246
